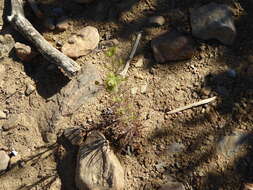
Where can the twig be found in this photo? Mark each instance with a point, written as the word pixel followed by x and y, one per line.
pixel 126 67
pixel 202 102
pixel 21 24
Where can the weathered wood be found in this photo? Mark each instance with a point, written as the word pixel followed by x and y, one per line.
pixel 202 102
pixel 21 24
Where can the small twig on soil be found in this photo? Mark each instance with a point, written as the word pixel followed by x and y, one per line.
pixel 202 102
pixel 126 67
pixel 22 25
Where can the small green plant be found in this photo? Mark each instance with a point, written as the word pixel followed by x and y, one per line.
pixel 113 79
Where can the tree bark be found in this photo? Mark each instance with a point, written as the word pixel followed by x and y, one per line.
pixel 22 25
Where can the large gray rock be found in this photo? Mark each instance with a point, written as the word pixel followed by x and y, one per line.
pixel 4 160
pixel 172 46
pixel 80 90
pixel 213 21
pixel 81 43
pixel 97 166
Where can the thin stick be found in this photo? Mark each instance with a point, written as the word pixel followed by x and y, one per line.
pixel 202 102
pixel 126 67
pixel 22 25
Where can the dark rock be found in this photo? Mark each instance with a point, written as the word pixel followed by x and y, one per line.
pixel 172 46
pixel 4 160
pixel 213 21
pixel 97 166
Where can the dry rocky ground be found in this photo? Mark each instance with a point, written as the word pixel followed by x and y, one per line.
pixel 207 147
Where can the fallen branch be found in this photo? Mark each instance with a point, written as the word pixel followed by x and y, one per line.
pixel 202 102
pixel 126 67
pixel 21 24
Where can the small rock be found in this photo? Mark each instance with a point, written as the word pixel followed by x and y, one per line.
pixel 139 62
pixel 6 45
pixel 172 186
pixel 97 166
pixel 29 89
pixel 144 88
pixel 206 91
pixel 23 52
pixel 2 115
pixel 213 21
pixel 4 160
pixel 62 24
pixel 81 43
pixel 157 20
pixel 134 90
pixel 172 46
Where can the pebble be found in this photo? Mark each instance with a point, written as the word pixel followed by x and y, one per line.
pixel 23 51
pixel 157 20
pixel 29 89
pixel 81 43
pixel 134 90
pixel 172 46
pixel 62 24
pixel 213 21
pixel 4 160
pixel 2 115
pixel 144 88
pixel 139 62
